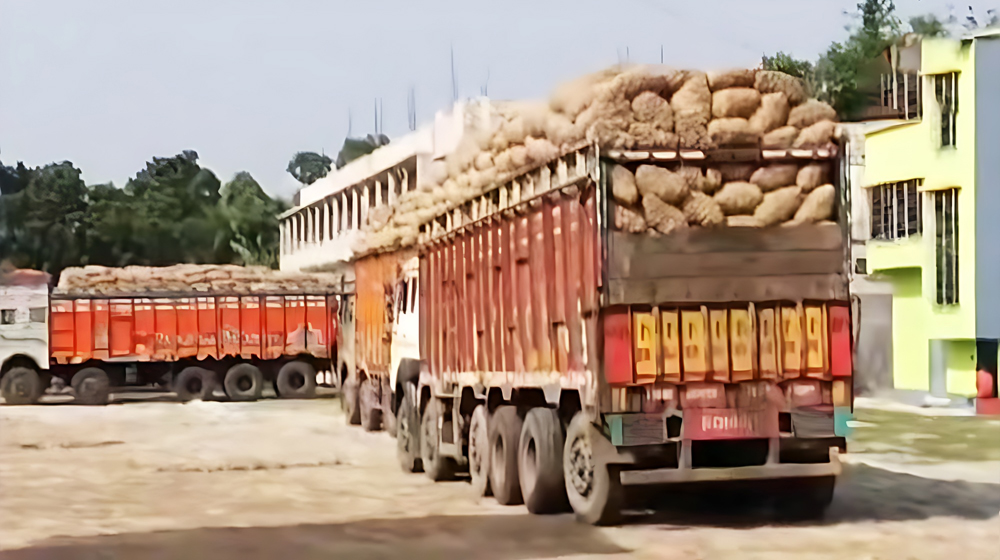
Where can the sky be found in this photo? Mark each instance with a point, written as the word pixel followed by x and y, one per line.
pixel 108 84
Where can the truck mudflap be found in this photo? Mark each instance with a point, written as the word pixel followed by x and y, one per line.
pixel 771 470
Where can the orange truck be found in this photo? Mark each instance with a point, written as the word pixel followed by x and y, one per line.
pixel 190 342
pixel 562 358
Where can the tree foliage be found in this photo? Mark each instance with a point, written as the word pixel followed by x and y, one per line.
pixel 309 167
pixel 841 74
pixel 172 211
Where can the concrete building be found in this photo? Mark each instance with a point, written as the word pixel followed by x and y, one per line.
pixel 319 232
pixel 933 190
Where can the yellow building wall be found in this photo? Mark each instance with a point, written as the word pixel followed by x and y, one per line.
pixel 913 151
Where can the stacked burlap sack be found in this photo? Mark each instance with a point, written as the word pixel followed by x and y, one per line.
pixel 661 199
pixel 193 279
pixel 619 108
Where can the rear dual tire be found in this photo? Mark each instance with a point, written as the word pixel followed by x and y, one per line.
pixel 296 380
pixel 194 383
pixel 91 386
pixel 594 489
pixel 244 382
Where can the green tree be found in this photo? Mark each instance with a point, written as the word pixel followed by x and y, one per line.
pixel 786 63
pixel 309 167
pixel 928 25
pixel 252 219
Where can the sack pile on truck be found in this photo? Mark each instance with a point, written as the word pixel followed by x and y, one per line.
pixel 193 279
pixel 630 108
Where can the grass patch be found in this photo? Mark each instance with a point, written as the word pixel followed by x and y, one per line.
pixel 934 438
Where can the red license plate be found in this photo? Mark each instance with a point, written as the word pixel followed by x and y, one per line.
pixel 730 423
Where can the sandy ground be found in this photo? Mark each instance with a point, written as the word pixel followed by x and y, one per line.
pixel 281 479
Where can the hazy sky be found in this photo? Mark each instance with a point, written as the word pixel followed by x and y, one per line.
pixel 107 84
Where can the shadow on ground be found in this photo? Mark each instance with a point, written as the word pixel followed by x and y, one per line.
pixel 863 493
pixel 500 537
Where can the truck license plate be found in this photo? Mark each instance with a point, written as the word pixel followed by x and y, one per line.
pixel 730 423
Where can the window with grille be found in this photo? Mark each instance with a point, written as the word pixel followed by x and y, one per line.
pixel 946 92
pixel 902 94
pixel 896 209
pixel 946 245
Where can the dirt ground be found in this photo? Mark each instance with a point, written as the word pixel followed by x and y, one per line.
pixel 283 479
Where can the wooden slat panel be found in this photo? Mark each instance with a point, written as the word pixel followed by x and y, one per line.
pixel 539 240
pixel 746 264
pixel 526 319
pixel 511 332
pixel 808 237
pixel 461 303
pixel 571 281
pixel 728 289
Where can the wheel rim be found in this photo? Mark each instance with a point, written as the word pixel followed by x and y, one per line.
pixel 428 439
pixel 194 385
pixel 244 383
pixel 581 462
pixel 296 380
pixel 22 388
pixel 477 453
pixel 88 387
pixel 403 434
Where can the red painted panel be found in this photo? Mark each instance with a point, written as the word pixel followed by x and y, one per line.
pixel 522 279
pixel 84 321
pixel 229 325
pixel 187 328
pixel 250 326
pixel 295 325
pixel 319 329
pixel 122 327
pixel 145 328
pixel 840 340
pixel 166 330
pixel 274 327
pixel 460 302
pixel 101 328
pixel 730 423
pixel 571 287
pixel 618 346
pixel 538 240
pixel 208 328
pixel 61 331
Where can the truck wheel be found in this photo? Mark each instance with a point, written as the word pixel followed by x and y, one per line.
pixel 803 498
pixel 349 403
pixel 436 465
pixel 540 464
pixel 479 452
pixel 504 437
pixel 91 386
pixel 388 416
pixel 296 380
pixel 243 382
pixel 371 414
pixel 21 385
pixel 194 383
pixel 408 432
pixel 594 490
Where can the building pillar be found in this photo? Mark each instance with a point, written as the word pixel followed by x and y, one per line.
pixel 938 370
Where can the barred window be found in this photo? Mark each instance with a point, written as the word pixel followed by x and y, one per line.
pixel 902 94
pixel 896 209
pixel 946 92
pixel 946 245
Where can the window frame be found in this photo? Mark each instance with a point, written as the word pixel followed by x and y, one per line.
pixel 946 95
pixel 896 210
pixel 946 257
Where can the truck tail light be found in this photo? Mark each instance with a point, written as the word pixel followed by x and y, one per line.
pixel 741 344
pixel 791 341
pixel 695 344
pixel 617 347
pixel 816 341
pixel 718 336
pixel 840 340
pixel 842 393
pixel 626 399
pixel 671 335
pixel 768 344
pixel 644 328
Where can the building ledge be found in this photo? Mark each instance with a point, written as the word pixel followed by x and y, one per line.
pixel 886 256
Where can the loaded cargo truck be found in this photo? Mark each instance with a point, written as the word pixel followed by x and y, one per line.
pixel 564 355
pixel 186 329
pixel 384 332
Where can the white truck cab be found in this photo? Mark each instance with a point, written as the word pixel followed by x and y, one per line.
pixel 24 329
pixel 405 319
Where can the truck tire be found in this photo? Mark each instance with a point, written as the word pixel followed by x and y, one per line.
pixel 91 386
pixel 504 437
pixel 296 380
pixel 408 432
pixel 194 383
pixel 436 466
pixel 21 385
pixel 594 490
pixel 803 498
pixel 371 413
pixel 243 382
pixel 388 416
pixel 479 451
pixel 540 463
pixel 349 403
